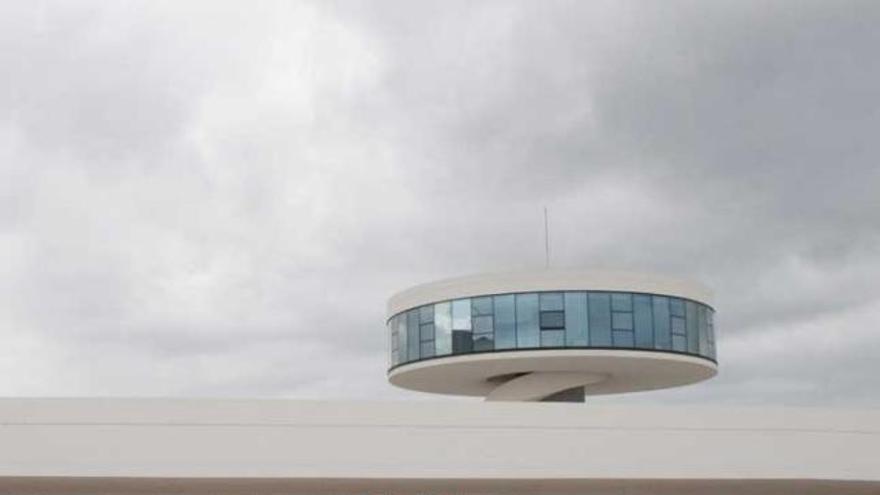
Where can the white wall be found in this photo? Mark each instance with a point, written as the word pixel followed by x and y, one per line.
pixel 442 439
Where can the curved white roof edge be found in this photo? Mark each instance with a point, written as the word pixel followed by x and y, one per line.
pixel 283 439
pixel 620 370
pixel 546 280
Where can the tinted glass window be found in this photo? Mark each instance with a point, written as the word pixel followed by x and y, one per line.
pixel 551 301
pixel 662 335
pixel 392 332
pixel 703 327
pixel 505 322
pixel 461 314
pixel 443 328
pixel 676 307
pixel 710 317
pixel 426 314
pixel 693 337
pixel 552 320
pixel 622 321
pixel 623 338
pixel 481 306
pixel 403 345
pixel 679 343
pixel 711 332
pixel 527 320
pixel 427 331
pixel 427 350
pixel 462 342
pixel 412 334
pixel 392 329
pixel 552 338
pixel 678 325
pixel 483 342
pixel 643 321
pixel 482 324
pixel 621 302
pixel 600 318
pixel 576 318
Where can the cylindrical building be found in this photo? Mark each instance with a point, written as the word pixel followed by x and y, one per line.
pixel 551 335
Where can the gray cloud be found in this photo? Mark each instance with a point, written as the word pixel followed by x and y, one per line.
pixel 203 199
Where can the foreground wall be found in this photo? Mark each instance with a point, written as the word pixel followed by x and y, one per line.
pixel 156 439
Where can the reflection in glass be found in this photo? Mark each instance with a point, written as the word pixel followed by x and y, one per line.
pixel 412 334
pixel 710 316
pixel 443 328
pixel 552 338
pixel 576 319
pixel 461 314
pixel 505 322
pixel 483 342
pixel 426 314
pixel 427 349
pixel 643 321
pixel 679 343
pixel 392 332
pixel 551 301
pixel 678 326
pixel 623 338
pixel 426 331
pixel 462 342
pixel 402 346
pixel 600 319
pixel 622 321
pixel 693 337
pixel 481 306
pixel 676 307
pixel 662 335
pixel 482 324
pixel 527 320
pixel 621 301
pixel 551 319
pixel 703 330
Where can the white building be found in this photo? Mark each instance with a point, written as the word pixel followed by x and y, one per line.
pixel 571 335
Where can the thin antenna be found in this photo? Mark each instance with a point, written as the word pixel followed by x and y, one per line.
pixel 546 240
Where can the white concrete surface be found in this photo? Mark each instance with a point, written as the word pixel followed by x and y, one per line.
pixel 58 439
pixel 622 370
pixel 540 385
pixel 380 486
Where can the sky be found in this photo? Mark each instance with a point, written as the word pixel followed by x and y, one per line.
pixel 216 199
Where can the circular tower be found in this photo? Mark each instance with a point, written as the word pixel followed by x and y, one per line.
pixel 551 335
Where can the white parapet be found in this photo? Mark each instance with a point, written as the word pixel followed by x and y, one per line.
pixel 546 280
pixel 302 440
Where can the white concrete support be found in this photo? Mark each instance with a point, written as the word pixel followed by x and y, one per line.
pixel 621 370
pixel 537 386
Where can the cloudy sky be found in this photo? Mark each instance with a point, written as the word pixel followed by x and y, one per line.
pixel 216 199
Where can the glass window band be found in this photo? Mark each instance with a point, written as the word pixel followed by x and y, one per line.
pixel 552 319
